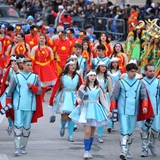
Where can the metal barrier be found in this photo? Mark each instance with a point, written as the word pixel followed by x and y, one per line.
pixel 80 22
pixel 116 28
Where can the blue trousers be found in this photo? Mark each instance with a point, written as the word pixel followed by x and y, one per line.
pixel 127 124
pixel 23 119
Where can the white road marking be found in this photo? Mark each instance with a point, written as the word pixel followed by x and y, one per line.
pixel 3 157
pixel 1 119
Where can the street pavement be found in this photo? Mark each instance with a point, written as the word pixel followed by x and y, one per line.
pixel 45 142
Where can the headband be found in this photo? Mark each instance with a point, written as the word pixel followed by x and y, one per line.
pixel 91 73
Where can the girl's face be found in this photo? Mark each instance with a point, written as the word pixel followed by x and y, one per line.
pixel 103 37
pixel 115 64
pixel 118 48
pixel 156 40
pixel 72 67
pixel 138 31
pixel 15 39
pixel 92 78
pixel 103 69
pixel 42 40
pixel 85 46
pixel 19 38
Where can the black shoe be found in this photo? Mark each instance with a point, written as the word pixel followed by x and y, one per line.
pixel 109 130
pixel 75 128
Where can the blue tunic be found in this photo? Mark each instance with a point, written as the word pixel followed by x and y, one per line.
pixel 95 62
pixel 66 98
pixel 91 112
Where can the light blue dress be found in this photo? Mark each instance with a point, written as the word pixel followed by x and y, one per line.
pixel 114 76
pixel 66 98
pixel 91 112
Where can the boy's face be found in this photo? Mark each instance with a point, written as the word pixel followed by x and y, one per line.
pixel 100 53
pixel 77 51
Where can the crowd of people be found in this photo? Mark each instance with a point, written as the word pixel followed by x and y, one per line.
pixel 93 82
pixel 118 17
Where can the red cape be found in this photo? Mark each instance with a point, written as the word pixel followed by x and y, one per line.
pixel 57 87
pixel 39 108
pixel 150 112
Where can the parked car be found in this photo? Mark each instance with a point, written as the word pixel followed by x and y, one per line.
pixel 9 15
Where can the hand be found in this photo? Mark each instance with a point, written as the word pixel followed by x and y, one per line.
pixel 145 110
pixel 80 102
pixel 29 85
pixel 54 100
pixel 129 52
pixel 146 57
pixel 110 114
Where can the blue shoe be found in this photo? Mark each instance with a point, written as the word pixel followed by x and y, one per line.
pixel 62 132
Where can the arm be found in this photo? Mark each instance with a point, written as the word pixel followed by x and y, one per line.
pixel 36 89
pixel 103 100
pixel 115 95
pixel 28 48
pixel 109 87
pixel 143 95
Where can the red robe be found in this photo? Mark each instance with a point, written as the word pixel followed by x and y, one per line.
pixel 31 40
pixel 21 49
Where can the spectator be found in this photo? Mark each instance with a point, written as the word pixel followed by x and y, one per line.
pixel 66 20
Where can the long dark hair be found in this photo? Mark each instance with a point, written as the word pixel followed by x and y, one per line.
pixel 39 48
pixel 139 36
pixel 111 67
pixel 114 54
pixel 105 73
pixel 23 36
pixel 66 70
pixel 99 39
pixel 88 49
pixel 96 83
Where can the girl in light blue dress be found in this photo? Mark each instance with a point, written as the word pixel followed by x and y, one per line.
pixel 91 112
pixel 106 83
pixel 63 97
pixel 115 75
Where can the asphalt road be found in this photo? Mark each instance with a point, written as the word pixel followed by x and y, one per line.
pixel 45 142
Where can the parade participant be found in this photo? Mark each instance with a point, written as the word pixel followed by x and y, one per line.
pixel 115 75
pixel 43 64
pixel 32 37
pixel 132 18
pixel 65 20
pixel 90 31
pixel 134 42
pixel 62 50
pixel 126 96
pixel 8 73
pixel 44 31
pixel 122 58
pixel 138 76
pixel 74 58
pixel 157 69
pixel 21 47
pixel 86 53
pixel 11 46
pixel 19 61
pixel 91 112
pixel 82 62
pixel 27 107
pixel 101 57
pixel 149 138
pixel 82 34
pixel 153 50
pixel 70 35
pixel 6 41
pixel 105 40
pixel 106 84
pixel 63 97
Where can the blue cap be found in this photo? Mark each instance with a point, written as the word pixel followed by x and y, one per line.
pixel 51 29
pixel 3 26
pixel 30 18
